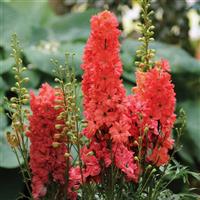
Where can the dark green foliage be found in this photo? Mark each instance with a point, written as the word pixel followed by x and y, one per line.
pixel 172 23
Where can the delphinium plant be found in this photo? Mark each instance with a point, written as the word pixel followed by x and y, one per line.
pixel 123 148
pixel 52 127
pixel 129 136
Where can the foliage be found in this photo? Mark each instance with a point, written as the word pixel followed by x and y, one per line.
pixel 171 23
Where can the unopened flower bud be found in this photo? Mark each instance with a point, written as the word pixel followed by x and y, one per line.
pixel 56 80
pixel 57 107
pixel 17 84
pixel 84 123
pixel 14 69
pixel 136 158
pixel 26 79
pixel 149 167
pixel 154 170
pixel 146 129
pixel 135 143
pixel 55 144
pixel 13 99
pixel 24 101
pixel 58 126
pixel 26 96
pixel 59 117
pixel 141 65
pixel 58 101
pixel 137 63
pixel 23 68
pixel 57 94
pixel 12 140
pixel 67 155
pixel 14 105
pixel 57 136
pixel 91 153
pixel 65 129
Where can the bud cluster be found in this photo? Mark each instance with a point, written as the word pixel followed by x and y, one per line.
pixel 66 101
pixel 18 114
pixel 146 28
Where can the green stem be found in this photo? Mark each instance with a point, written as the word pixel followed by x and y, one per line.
pixel 23 174
pixel 152 171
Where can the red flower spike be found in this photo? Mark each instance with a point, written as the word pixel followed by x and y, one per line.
pixel 102 88
pixel 104 95
pixel 155 111
pixel 46 162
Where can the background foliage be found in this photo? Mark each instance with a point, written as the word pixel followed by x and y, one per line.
pixel 49 29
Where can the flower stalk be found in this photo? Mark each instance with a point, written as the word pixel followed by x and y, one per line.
pixel 18 114
pixel 145 53
pixel 67 90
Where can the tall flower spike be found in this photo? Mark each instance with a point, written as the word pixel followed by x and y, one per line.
pixel 156 92
pixel 102 88
pixel 153 103
pixel 47 163
pixel 104 98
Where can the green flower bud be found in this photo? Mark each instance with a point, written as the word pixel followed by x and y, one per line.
pixel 26 79
pixel 58 126
pixel 55 144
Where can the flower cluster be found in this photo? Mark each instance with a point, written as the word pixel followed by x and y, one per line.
pixel 122 131
pixel 152 111
pixel 105 109
pixel 47 163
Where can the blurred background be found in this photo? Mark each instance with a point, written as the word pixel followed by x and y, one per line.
pixel 47 29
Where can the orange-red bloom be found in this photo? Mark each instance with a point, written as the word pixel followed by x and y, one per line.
pixel 152 107
pixel 104 96
pixel 47 163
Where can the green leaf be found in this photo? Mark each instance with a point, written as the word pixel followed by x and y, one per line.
pixel 40 57
pixel 128 69
pixel 73 26
pixel 180 60
pixel 3 84
pixel 192 137
pixel 21 17
pixel 34 79
pixel 38 33
pixel 33 76
pixel 3 119
pixel 128 87
pixel 5 65
pixel 129 46
pixel 195 175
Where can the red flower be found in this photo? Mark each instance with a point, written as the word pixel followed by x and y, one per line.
pixel 47 163
pixel 120 131
pixel 102 88
pixel 91 163
pixel 155 113
pixel 75 180
pixel 104 95
pixel 124 160
pixel 159 156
